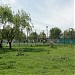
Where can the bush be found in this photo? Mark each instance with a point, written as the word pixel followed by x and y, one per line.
pixel 20 53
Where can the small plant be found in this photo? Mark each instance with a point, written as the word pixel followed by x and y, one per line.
pixel 52 45
pixel 20 53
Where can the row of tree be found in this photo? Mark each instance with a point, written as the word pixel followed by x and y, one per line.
pixel 13 26
pixel 54 33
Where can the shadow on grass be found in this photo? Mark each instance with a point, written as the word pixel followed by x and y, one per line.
pixel 34 49
pixel 31 49
pixel 4 50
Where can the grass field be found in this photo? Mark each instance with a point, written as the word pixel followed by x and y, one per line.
pixel 37 60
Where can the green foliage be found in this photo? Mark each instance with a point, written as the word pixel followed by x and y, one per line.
pixel 42 35
pixel 33 36
pixel 69 34
pixel 6 12
pixel 19 20
pixel 55 33
pixel 25 18
pixel 9 33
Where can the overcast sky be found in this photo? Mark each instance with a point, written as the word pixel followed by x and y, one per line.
pixel 51 13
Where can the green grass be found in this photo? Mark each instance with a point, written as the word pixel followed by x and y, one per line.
pixel 40 60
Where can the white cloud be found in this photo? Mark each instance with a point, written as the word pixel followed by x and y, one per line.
pixel 56 16
pixel 8 1
pixel 63 16
pixel 47 12
pixel 12 1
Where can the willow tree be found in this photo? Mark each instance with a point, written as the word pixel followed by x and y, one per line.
pixel 6 15
pixel 9 34
pixel 21 21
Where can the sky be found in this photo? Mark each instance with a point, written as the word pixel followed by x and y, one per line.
pixel 51 13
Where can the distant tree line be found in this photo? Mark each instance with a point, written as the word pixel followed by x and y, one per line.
pixel 54 34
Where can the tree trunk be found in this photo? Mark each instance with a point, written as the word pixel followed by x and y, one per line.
pixel 19 42
pixel 10 45
pixel 1 44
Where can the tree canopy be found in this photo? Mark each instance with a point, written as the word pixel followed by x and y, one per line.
pixel 55 33
pixel 19 20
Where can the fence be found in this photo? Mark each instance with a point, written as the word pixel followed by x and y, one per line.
pixel 66 41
